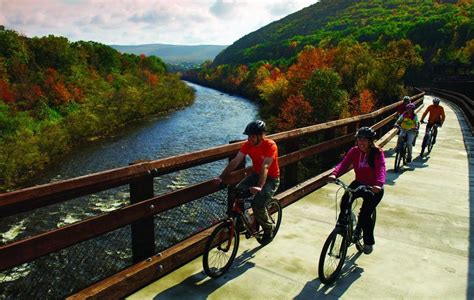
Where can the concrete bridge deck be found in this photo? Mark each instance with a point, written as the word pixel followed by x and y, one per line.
pixel 423 239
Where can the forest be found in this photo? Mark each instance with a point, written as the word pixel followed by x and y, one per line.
pixel 342 58
pixel 55 94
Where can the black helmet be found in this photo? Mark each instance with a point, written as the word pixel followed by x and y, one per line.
pixel 255 127
pixel 366 132
pixel 406 99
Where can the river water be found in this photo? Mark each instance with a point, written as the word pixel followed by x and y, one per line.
pixel 214 119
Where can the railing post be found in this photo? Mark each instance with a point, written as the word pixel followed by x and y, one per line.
pixel 143 231
pixel 291 171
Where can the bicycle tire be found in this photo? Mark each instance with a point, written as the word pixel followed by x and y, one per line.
pixel 430 146
pixel 404 154
pixel 396 166
pixel 333 256
pixel 275 212
pixel 219 256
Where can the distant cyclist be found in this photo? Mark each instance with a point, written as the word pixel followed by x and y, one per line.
pixel 437 116
pixel 403 107
pixel 409 124
pixel 368 162
pixel 265 179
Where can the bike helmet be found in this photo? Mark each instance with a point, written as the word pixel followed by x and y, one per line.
pixel 411 106
pixel 406 99
pixel 255 127
pixel 436 100
pixel 366 132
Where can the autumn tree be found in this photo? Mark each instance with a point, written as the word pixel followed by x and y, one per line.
pixel 295 112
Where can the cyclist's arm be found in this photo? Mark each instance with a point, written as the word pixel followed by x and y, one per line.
pixel 443 116
pixel 380 172
pixel 425 113
pixel 263 175
pixel 345 163
pixel 233 164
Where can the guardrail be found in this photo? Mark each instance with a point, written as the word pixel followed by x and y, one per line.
pixel 145 206
pixel 462 101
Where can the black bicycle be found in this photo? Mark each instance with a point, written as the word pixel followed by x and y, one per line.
pixel 341 238
pixel 401 155
pixel 428 139
pixel 223 243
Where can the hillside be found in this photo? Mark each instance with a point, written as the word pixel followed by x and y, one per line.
pixel 55 94
pixel 173 54
pixel 429 24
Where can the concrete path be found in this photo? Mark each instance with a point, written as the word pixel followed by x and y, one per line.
pixel 423 239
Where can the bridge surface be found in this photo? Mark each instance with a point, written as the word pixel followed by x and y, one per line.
pixel 423 239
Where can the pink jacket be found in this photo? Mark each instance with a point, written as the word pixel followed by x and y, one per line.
pixel 364 173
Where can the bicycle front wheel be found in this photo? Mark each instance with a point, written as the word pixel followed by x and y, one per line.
pixel 274 212
pixel 398 159
pixel 430 146
pixel 332 256
pixel 221 249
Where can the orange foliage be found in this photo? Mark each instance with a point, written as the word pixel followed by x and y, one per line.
pixel 62 94
pixel 364 103
pixel 6 94
pixel 151 78
pixel 308 61
pixel 295 112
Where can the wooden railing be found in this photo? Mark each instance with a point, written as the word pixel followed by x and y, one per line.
pixel 462 101
pixel 150 266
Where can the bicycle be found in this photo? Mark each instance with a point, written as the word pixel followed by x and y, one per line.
pixel 402 152
pixel 428 139
pixel 223 243
pixel 334 251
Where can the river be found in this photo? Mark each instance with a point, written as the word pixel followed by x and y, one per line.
pixel 214 119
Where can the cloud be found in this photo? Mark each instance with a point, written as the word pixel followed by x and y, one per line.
pixel 145 21
pixel 222 9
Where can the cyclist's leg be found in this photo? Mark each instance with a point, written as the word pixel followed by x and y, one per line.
pixel 259 202
pixel 435 133
pixel 365 215
pixel 345 203
pixel 244 185
pixel 410 138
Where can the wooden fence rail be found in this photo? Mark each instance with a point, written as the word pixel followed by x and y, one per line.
pixel 140 176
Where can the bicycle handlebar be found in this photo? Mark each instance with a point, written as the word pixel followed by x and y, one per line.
pixel 365 188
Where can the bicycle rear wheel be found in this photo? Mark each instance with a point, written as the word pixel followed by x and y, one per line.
pixel 221 249
pixel 424 144
pixel 275 213
pixel 332 256
pixel 430 146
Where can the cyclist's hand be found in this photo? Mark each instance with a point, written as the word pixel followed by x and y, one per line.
pixel 254 189
pixel 331 178
pixel 217 180
pixel 376 189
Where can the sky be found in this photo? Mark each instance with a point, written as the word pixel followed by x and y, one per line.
pixel 127 22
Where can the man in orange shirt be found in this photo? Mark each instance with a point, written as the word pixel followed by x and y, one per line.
pixel 437 116
pixel 265 179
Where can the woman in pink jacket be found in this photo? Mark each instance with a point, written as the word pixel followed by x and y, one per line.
pixel 368 162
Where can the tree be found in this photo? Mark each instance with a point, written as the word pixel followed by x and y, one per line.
pixel 325 95
pixel 295 112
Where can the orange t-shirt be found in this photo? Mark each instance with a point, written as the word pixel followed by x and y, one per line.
pixel 266 148
pixel 436 114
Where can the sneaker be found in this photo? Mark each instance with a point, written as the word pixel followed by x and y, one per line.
pixel 368 249
pixel 267 238
pixel 357 234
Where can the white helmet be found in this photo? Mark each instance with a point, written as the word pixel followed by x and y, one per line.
pixel 436 100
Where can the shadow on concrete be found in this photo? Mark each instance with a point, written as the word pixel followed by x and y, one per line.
pixel 350 273
pixel 200 286
pixel 469 146
pixel 418 162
